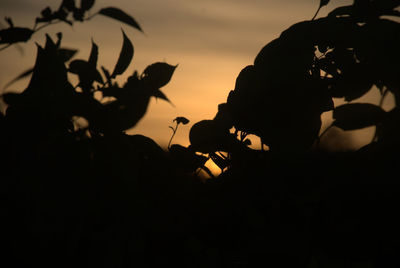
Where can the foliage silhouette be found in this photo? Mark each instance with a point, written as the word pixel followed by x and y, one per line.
pixel 94 196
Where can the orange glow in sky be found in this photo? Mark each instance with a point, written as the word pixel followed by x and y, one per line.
pixel 211 40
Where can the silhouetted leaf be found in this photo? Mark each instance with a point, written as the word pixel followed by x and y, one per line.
pixel 22 75
pixel 14 35
pixel 11 98
pixel 158 74
pixel 78 14
pixel 125 57
pixel 160 95
pixel 357 115
pixel 46 12
pixel 340 11
pixel 323 3
pixel 87 4
pixel 9 21
pixel 77 66
pixel 106 74
pixel 219 161
pixel 181 119
pixel 120 15
pixel 393 13
pixel 87 73
pixel 93 55
pixel 68 5
pixel 48 15
pixel 187 158
pixel 67 54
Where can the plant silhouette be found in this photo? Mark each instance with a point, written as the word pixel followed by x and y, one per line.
pixel 91 195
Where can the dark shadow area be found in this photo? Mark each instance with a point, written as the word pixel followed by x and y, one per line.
pixel 90 195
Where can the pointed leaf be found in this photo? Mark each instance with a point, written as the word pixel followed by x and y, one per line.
pixel 120 15
pixel 9 21
pixel 93 54
pixel 97 76
pixel 22 75
pixel 158 74
pixel 357 115
pixel 158 94
pixel 14 35
pixel 106 74
pixel 125 57
pixel 87 4
pixel 67 54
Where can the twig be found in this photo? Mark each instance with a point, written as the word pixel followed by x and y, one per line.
pixel 173 134
pixel 5 47
pixel 316 13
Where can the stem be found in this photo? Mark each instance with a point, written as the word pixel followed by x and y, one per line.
pixel 5 47
pixel 208 171
pixel 173 134
pixel 316 13
pixel 90 17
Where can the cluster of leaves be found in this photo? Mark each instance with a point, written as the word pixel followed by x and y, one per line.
pixel 129 102
pixel 107 107
pixel 67 12
pixel 295 78
pixel 96 196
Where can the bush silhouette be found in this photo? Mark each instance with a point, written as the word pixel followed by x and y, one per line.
pixel 93 196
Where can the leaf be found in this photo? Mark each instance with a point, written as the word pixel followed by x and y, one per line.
pixel 219 161
pixel 87 73
pixel 158 74
pixel 125 57
pixel 186 158
pixel 11 98
pixel 46 13
pixel 14 35
pixel 66 54
pixel 341 11
pixel 106 74
pixel 181 120
pixel 120 15
pixel 93 54
pixel 77 66
pixel 78 14
pixel 357 115
pixel 22 75
pixel 68 5
pixel 159 94
pixel 9 21
pixel 87 4
pixel 323 3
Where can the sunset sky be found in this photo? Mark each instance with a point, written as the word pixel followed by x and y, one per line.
pixel 211 40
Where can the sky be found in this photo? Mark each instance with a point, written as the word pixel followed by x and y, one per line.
pixel 210 40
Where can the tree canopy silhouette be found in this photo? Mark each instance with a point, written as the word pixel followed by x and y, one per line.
pixel 91 195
